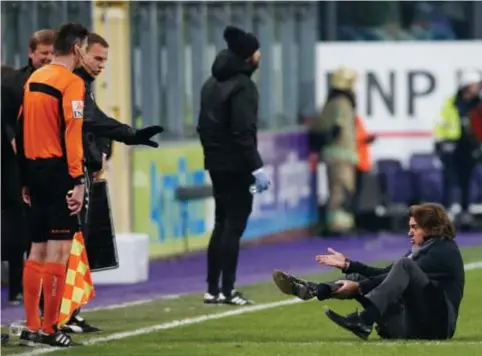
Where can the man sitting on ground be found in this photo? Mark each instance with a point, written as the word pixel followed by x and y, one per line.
pixel 417 297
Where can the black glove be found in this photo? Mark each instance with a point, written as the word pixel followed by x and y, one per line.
pixel 143 136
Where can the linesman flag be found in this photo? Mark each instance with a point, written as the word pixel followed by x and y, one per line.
pixel 79 288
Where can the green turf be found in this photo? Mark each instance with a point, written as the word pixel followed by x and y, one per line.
pixel 288 330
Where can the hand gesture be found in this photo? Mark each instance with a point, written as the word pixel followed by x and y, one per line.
pixel 332 259
pixel 347 289
pixel 144 136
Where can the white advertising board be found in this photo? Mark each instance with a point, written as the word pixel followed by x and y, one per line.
pixel 401 87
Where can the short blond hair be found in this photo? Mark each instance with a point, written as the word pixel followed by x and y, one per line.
pixel 44 37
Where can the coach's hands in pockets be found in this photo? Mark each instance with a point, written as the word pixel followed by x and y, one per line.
pixel 75 199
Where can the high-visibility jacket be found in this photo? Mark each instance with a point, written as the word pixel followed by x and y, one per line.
pixel 363 147
pixel 449 128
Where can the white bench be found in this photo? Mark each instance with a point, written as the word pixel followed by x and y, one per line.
pixel 133 251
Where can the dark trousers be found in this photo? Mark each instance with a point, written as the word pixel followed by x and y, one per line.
pixel 14 255
pixel 405 301
pixel 14 248
pixel 457 172
pixel 233 204
pixel 408 289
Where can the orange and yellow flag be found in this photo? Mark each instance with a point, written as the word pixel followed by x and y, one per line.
pixel 79 288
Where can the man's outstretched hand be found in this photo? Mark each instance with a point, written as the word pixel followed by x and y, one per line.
pixel 332 259
pixel 144 136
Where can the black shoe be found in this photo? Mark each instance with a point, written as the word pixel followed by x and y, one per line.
pixel 236 298
pixel 5 338
pixel 352 322
pixel 213 298
pixel 292 285
pixel 29 338
pixel 78 324
pixel 57 339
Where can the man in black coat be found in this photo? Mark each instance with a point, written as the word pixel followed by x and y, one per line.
pixel 417 297
pixel 100 129
pixel 227 128
pixel 14 234
pixel 99 132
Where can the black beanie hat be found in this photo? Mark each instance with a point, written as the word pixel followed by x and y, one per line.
pixel 241 43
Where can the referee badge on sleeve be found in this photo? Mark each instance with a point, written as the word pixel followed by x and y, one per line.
pixel 77 109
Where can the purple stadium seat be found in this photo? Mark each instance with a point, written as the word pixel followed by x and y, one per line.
pixel 385 169
pixel 388 166
pixel 399 188
pixel 422 161
pixel 429 185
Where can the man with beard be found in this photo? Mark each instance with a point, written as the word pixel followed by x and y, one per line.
pixel 333 136
pixel 227 128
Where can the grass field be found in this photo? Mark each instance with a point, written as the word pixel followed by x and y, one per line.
pixel 276 325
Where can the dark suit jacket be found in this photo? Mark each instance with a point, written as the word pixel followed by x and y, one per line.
pixel 13 224
pixel 443 264
pixel 99 129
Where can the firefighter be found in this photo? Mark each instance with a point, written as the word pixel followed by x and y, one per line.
pixel 333 133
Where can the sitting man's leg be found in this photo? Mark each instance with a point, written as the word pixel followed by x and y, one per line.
pixel 307 290
pixel 404 281
pixel 392 324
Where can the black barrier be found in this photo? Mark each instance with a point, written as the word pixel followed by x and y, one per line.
pixel 100 237
pixel 184 194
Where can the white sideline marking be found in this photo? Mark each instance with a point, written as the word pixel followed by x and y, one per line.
pixel 133 303
pixel 245 310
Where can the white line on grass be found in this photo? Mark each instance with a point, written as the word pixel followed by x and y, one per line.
pixel 133 303
pixel 245 310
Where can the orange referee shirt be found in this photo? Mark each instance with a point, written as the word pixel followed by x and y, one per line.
pixel 53 113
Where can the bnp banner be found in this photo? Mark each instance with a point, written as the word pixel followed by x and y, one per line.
pixel 290 203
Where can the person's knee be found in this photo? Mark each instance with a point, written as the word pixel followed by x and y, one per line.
pixel 58 251
pixel 404 262
pixel 38 252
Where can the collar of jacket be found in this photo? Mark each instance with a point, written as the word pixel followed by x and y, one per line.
pixel 81 72
pixel 29 68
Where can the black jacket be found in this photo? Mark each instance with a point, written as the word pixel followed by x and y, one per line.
pixel 443 264
pixel 227 124
pixel 13 208
pixel 12 98
pixel 99 129
pixel 12 94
